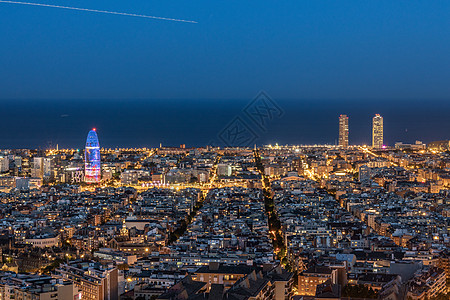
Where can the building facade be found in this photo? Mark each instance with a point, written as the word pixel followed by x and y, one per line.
pixel 43 241
pixel 309 279
pixel 95 281
pixel 36 287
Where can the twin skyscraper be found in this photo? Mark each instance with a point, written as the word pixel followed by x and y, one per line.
pixel 377 131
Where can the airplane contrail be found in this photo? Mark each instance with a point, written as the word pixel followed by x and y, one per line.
pixel 98 11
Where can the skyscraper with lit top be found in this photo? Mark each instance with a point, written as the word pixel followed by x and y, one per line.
pixel 377 131
pixel 343 131
pixel 92 168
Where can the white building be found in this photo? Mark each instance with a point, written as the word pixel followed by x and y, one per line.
pixel 43 241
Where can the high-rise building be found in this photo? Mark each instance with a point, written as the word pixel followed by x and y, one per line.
pixel 343 131
pixel 42 167
pixel 92 169
pixel 377 131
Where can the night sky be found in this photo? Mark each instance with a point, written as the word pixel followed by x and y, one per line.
pixel 63 71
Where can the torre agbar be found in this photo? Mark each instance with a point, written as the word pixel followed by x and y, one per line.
pixel 92 167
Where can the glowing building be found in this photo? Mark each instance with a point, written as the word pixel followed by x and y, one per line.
pixel 343 131
pixel 92 167
pixel 377 131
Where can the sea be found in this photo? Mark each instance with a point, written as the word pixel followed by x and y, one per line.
pixel 46 124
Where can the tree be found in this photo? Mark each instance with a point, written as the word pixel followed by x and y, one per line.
pixel 53 266
pixel 359 291
pixel 123 266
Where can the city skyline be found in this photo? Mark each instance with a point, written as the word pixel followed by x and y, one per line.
pixel 224 150
pixel 293 217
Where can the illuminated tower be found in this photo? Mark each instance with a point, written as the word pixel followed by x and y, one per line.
pixel 377 131
pixel 343 131
pixel 92 168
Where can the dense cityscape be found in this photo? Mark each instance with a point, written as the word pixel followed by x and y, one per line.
pixel 224 150
pixel 272 222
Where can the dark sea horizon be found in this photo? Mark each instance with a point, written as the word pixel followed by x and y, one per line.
pixel 42 124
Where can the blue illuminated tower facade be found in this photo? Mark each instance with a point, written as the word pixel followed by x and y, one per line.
pixel 92 168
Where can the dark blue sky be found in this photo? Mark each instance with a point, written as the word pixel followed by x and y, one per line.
pixel 63 72
pixel 292 49
pixel 139 123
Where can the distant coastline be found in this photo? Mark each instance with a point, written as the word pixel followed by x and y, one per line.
pixel 149 123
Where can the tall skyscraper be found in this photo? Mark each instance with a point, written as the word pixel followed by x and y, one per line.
pixel 377 131
pixel 343 131
pixel 92 169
